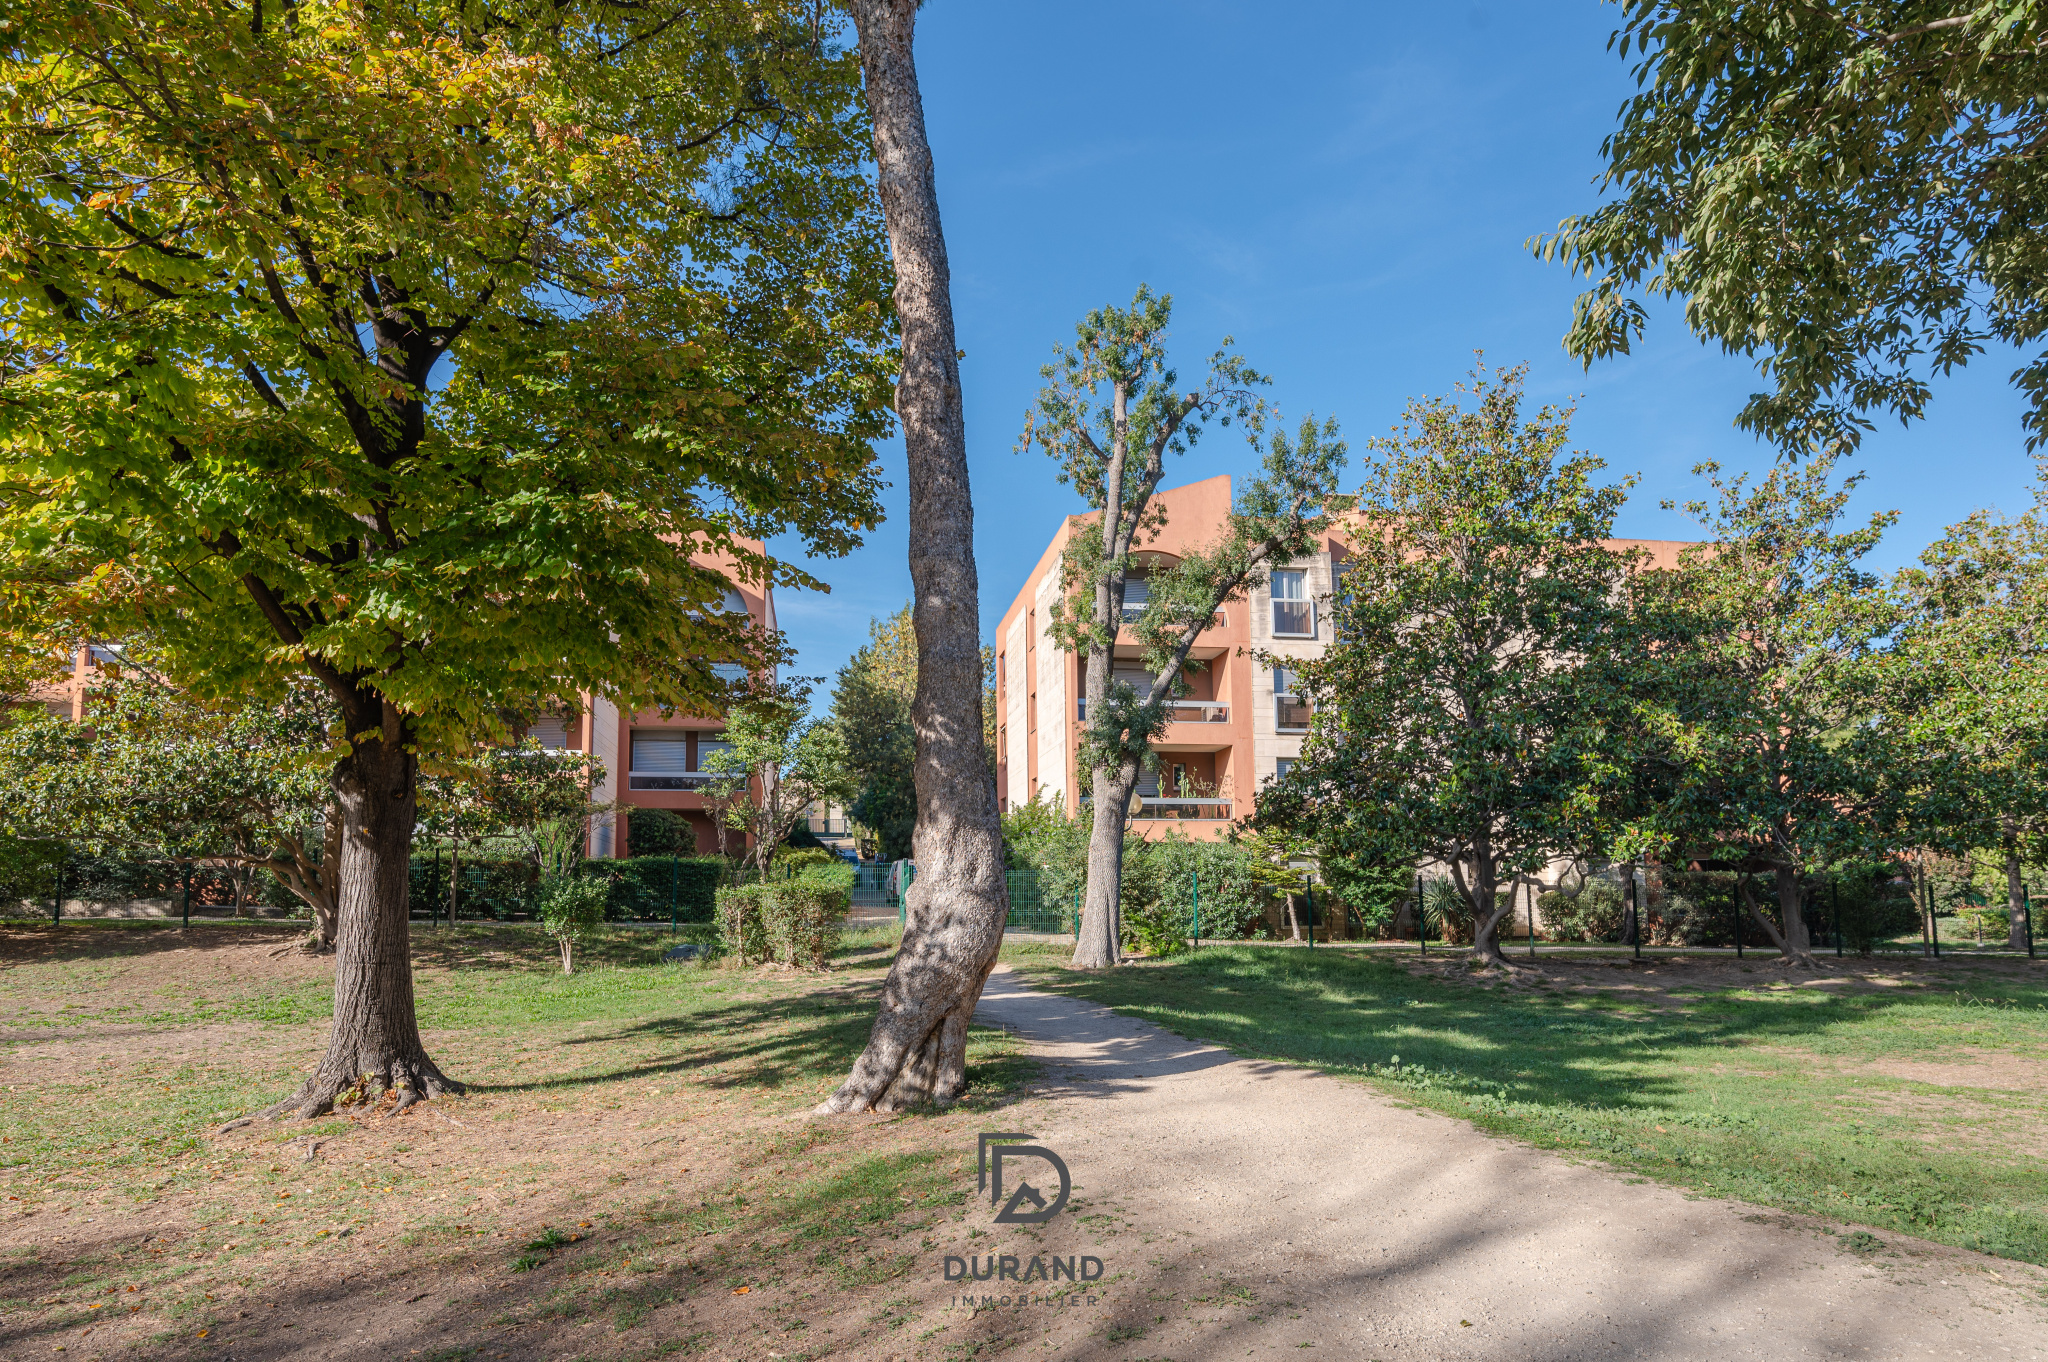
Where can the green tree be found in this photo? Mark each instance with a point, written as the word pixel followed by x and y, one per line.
pixel 520 793
pixel 409 348
pixel 1109 416
pixel 1850 193
pixel 777 761
pixel 153 773
pixel 1450 718
pixel 1965 686
pixel 1754 656
pixel 871 704
pixel 572 911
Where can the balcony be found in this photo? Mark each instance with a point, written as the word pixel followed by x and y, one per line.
pixel 1169 807
pixel 685 780
pixel 1291 713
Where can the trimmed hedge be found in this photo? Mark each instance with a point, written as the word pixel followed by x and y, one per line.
pixel 794 920
pixel 495 888
pixel 640 886
pixel 504 888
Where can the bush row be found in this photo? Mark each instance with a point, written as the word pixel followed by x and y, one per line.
pixel 639 887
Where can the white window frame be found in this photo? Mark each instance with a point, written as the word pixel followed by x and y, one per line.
pixel 1297 577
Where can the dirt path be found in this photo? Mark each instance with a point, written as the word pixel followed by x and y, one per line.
pixel 1278 1208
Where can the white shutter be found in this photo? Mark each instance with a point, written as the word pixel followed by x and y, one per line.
pixel 661 753
pixel 1148 784
pixel 706 746
pixel 1139 681
pixel 552 732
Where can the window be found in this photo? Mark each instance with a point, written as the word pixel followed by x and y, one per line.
pixel 1137 595
pixel 1294 614
pixel 705 748
pixel 660 760
pixel 734 602
pixel 552 733
pixel 1290 710
pixel 732 673
pixel 1281 766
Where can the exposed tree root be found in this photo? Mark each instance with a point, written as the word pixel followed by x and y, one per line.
pixel 414 1080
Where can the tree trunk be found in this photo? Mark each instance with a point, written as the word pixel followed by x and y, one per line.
pixel 1793 943
pixel 1482 897
pixel 375 1044
pixel 917 1051
pixel 2015 897
pixel 1100 945
pixel 1293 917
pixel 327 903
pixel 568 956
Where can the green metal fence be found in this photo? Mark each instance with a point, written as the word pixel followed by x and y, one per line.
pixel 1033 907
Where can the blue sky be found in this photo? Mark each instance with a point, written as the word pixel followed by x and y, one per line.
pixel 1348 190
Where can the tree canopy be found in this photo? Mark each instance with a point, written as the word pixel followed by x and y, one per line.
pixel 1450 718
pixel 1109 415
pixel 871 702
pixel 406 346
pixel 417 349
pixel 1850 193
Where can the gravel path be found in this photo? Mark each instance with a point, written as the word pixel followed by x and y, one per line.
pixel 1245 1206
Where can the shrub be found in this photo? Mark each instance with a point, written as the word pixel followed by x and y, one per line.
pixel 572 909
pixel 658 832
pixel 1595 915
pixel 788 861
pixel 803 914
pixel 641 886
pixel 742 925
pixel 1871 906
pixel 492 887
pixel 795 920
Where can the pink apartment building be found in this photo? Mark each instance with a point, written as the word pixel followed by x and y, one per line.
pixel 656 763
pixel 1240 723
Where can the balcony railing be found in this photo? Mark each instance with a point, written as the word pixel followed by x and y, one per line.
pixel 688 780
pixel 1291 714
pixel 1168 807
pixel 1177 711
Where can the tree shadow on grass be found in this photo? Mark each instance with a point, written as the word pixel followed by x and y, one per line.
pixel 1344 1010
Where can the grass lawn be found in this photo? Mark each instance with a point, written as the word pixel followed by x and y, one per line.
pixel 1893 1093
pixel 628 1173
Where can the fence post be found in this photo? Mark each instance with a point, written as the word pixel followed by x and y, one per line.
pixel 187 868
pixel 2027 916
pixel 1308 888
pixel 1421 917
pixel 1195 896
pixel 1926 914
pixel 1635 913
pixel 1933 927
pixel 1735 904
pixel 1835 911
pixel 1530 904
pixel 57 903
